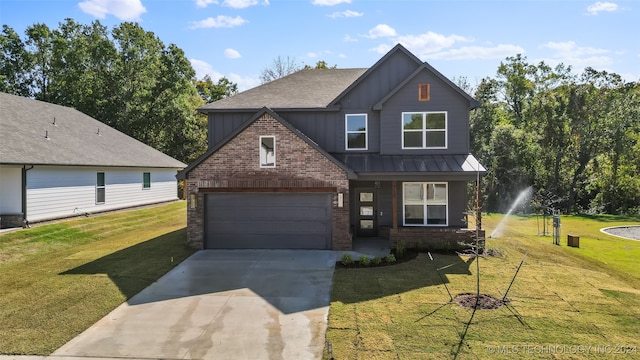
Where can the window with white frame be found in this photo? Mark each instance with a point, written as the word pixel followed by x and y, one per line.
pixel 424 130
pixel 267 151
pixel 424 203
pixel 356 131
pixel 100 188
pixel 146 180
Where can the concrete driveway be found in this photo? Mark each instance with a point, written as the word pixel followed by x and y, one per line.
pixel 221 304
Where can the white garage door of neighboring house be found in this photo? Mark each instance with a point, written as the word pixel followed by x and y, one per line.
pixel 268 221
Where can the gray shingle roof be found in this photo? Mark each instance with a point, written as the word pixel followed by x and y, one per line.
pixel 72 140
pixel 305 89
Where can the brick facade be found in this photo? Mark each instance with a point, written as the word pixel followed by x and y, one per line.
pixel 434 238
pixel 299 166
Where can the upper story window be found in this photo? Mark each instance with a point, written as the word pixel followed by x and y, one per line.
pixel 424 130
pixel 267 151
pixel 356 131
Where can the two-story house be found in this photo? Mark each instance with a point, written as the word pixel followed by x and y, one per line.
pixel 320 157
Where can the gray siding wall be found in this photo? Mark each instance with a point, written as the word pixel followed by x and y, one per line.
pixel 443 98
pixel 327 128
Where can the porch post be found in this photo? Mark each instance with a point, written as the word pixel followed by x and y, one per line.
pixel 394 204
pixel 478 204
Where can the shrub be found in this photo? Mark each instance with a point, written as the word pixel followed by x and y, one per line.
pixel 390 258
pixel 364 260
pixel 401 249
pixel 376 260
pixel 346 259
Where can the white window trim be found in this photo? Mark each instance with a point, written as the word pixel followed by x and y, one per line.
pixel 104 187
pixel 146 188
pixel 424 129
pixel 425 205
pixel 347 132
pixel 260 152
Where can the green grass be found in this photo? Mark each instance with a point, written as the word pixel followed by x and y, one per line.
pixel 562 298
pixel 58 279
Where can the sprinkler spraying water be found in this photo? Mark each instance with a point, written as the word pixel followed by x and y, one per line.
pixel 524 194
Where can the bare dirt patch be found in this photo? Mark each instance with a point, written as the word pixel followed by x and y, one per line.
pixel 482 301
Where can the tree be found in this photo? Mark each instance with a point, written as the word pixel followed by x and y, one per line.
pixel 15 64
pixel 210 92
pixel 279 68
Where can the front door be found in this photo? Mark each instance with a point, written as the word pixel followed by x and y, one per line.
pixel 366 212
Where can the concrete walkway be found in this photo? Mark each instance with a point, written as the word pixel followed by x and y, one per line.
pixel 221 304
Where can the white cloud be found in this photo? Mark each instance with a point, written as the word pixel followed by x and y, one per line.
pixel 221 21
pixel 241 4
pixel 205 3
pixel 382 48
pixel 348 38
pixel 478 52
pixel 346 14
pixel 244 82
pixel 381 30
pixel 600 6
pixel 232 54
pixel 330 2
pixel 236 4
pixel 569 53
pixel 203 68
pixel 126 10
pixel 429 42
pixel 312 55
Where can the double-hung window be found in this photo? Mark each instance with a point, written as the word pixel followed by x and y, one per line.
pixel 424 130
pixel 267 151
pixel 424 203
pixel 100 188
pixel 356 131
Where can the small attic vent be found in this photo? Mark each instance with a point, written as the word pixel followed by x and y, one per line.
pixel 424 92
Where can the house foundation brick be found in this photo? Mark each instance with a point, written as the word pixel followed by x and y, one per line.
pixel 435 238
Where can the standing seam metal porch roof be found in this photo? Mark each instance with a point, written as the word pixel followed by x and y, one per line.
pixel 411 164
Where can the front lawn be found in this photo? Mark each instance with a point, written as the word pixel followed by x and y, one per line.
pixel 566 303
pixel 56 280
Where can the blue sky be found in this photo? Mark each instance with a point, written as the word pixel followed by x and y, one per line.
pixel 239 38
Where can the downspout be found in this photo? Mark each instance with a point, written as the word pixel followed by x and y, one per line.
pixel 24 195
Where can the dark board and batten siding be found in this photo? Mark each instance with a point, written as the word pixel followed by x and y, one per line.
pixel 443 98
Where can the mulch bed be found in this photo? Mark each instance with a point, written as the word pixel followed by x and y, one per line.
pixel 483 302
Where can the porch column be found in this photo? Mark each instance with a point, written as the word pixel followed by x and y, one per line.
pixel 478 204
pixel 394 204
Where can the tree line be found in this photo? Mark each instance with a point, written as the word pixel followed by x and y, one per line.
pixel 127 78
pixel 574 138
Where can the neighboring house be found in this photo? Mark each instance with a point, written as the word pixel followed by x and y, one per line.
pixel 57 162
pixel 322 156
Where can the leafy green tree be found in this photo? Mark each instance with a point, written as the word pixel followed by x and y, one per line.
pixel 15 64
pixel 210 91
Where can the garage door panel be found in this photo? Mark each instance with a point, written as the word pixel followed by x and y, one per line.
pixel 249 214
pixel 267 227
pixel 268 220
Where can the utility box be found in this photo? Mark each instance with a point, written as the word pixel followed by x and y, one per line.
pixel 573 241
